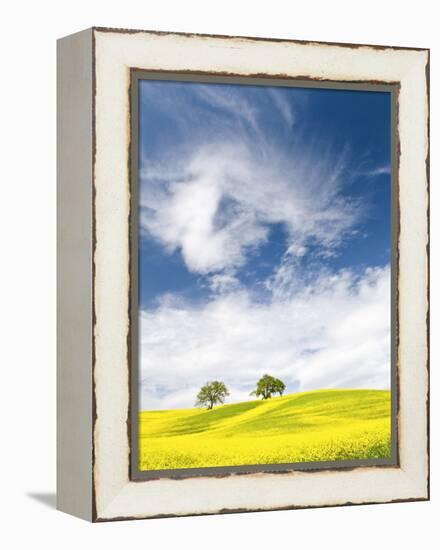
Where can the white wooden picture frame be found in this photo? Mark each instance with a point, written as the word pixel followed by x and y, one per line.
pixel 95 459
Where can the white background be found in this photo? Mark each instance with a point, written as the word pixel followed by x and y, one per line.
pixel 27 300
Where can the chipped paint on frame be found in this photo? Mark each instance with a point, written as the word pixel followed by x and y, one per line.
pixel 102 481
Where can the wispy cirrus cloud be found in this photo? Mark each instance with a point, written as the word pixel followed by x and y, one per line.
pixel 213 195
pixel 231 103
pixel 378 170
pixel 216 203
pixel 382 169
pixel 283 106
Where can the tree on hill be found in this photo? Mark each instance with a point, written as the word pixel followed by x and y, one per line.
pixel 268 386
pixel 211 394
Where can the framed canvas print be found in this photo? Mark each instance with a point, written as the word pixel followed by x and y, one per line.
pixel 242 274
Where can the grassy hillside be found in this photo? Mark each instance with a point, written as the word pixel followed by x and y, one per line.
pixel 311 426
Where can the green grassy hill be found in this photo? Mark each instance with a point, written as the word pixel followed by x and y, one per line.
pixel 311 426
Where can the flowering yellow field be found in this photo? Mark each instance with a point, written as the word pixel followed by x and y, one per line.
pixel 319 425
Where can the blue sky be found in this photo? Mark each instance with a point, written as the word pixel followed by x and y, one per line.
pixel 260 207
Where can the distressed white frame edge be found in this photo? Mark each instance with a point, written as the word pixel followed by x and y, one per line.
pixel 74 274
pixel 115 496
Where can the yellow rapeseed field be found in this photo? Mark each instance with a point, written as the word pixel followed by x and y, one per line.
pixel 319 425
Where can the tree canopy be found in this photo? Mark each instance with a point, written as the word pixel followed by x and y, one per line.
pixel 211 394
pixel 268 386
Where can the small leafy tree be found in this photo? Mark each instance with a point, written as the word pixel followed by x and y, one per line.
pixel 268 386
pixel 211 394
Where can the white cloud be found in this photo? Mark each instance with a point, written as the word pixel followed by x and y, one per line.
pixel 334 332
pixel 223 283
pixel 232 101
pixel 216 202
pixel 376 171
pixel 283 105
